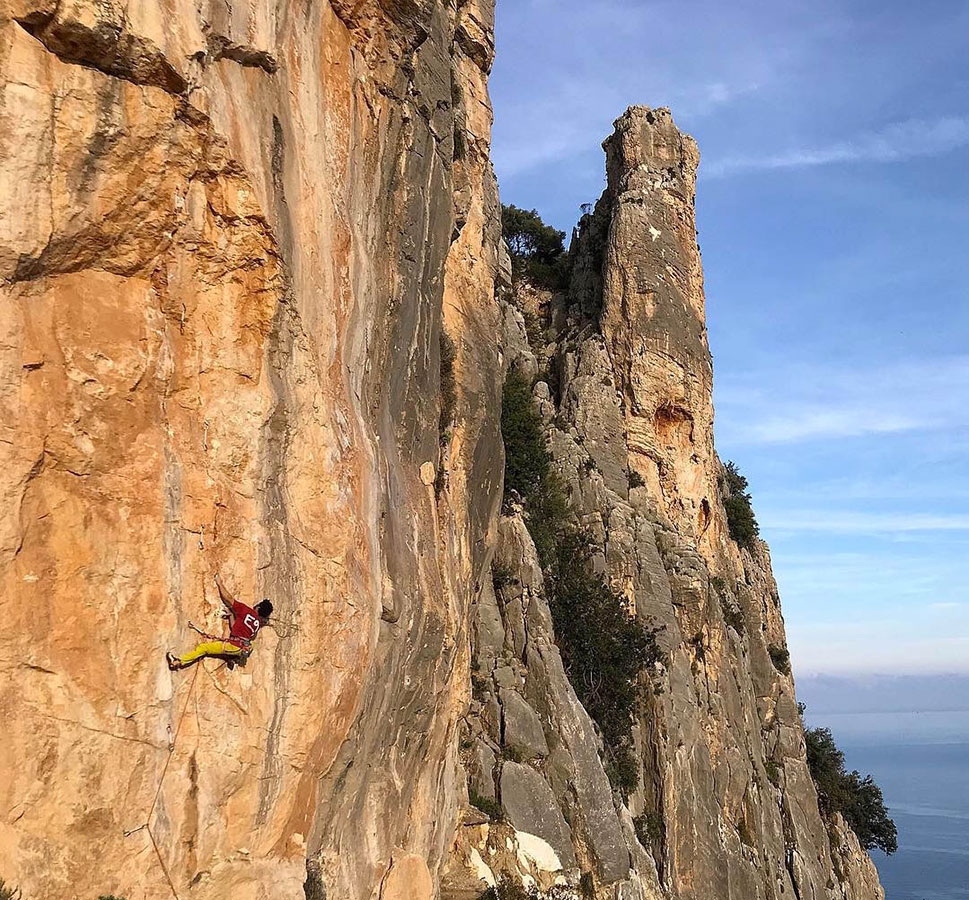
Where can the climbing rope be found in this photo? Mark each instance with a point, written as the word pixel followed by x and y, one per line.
pixel 284 629
pixel 161 781
pixel 287 630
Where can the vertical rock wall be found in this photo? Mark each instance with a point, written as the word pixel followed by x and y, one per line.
pixel 231 235
pixel 725 808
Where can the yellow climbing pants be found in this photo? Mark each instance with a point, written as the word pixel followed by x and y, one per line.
pixel 210 648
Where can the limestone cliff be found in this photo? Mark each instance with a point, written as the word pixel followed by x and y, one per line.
pixel 725 807
pixel 238 241
pixel 230 237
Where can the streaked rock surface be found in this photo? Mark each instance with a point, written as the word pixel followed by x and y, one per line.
pixel 729 807
pixel 231 235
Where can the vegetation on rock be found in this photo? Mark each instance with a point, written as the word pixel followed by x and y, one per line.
pixel 528 468
pixel 604 649
pixel 8 892
pixel 487 805
pixel 858 799
pixel 510 889
pixel 537 250
pixel 649 828
pixel 449 394
pixel 781 658
pixel 740 512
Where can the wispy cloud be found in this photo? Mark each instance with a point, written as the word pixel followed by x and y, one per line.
pixel 851 522
pixel 894 143
pixel 814 424
pixel 822 402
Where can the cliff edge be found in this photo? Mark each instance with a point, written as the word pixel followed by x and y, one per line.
pixel 721 804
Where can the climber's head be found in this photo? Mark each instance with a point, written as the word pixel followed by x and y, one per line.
pixel 264 608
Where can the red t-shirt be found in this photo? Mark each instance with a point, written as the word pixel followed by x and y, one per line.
pixel 246 623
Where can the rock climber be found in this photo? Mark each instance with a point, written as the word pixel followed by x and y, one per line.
pixel 244 625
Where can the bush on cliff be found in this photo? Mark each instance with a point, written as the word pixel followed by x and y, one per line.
pixel 858 799
pixel 528 461
pixel 528 468
pixel 449 391
pixel 604 649
pixel 509 888
pixel 9 892
pixel 537 250
pixel 781 658
pixel 740 512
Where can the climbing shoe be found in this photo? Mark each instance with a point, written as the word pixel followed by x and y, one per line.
pixel 173 661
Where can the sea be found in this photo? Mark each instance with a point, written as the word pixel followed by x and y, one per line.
pixel 921 762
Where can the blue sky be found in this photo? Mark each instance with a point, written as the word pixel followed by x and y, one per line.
pixel 833 213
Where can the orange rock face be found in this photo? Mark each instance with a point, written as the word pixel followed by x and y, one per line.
pixel 227 247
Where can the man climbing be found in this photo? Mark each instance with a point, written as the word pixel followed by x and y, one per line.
pixel 244 625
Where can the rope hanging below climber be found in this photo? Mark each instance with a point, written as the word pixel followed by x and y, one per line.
pixel 244 624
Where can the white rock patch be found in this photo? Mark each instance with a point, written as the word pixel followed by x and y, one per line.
pixel 481 868
pixel 533 851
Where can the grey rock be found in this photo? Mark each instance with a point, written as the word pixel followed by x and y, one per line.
pixel 515 626
pixel 522 726
pixel 489 629
pixel 531 807
pixel 505 678
pixel 491 717
pixel 589 785
pixel 482 770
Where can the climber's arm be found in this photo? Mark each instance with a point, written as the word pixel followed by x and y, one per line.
pixel 228 601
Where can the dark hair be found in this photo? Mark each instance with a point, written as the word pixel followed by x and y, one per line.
pixel 264 608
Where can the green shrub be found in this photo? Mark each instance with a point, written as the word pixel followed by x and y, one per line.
pixel 604 650
pixel 314 888
pixel 527 457
pixel 621 767
pixel 548 519
pixel 501 576
pixel 649 828
pixel 858 799
pixel 512 753
pixel 9 892
pixel 733 615
pixel 534 329
pixel 740 513
pixel 528 467
pixel 781 658
pixel 479 687
pixel 449 394
pixel 537 250
pixel 773 772
pixel 635 479
pixel 507 889
pixel 489 806
pixel 511 889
